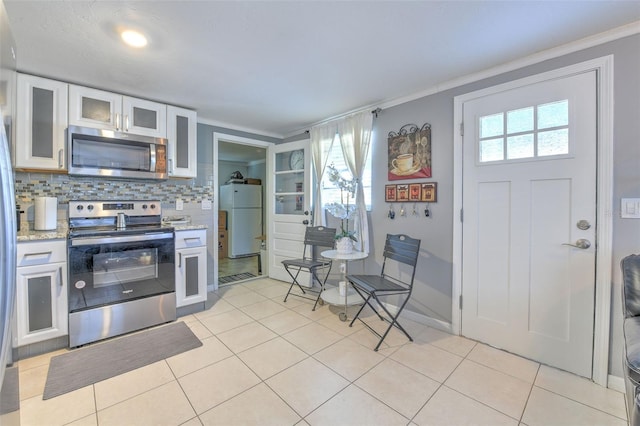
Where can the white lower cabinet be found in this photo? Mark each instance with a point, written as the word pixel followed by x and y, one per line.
pixel 41 292
pixel 191 267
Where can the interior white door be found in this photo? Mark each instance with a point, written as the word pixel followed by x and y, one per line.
pixel 288 197
pixel 529 204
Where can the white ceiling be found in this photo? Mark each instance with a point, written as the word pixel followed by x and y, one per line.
pixel 278 66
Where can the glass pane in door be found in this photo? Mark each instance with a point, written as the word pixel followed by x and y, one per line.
pixel 40 303
pixel 144 118
pixel 96 109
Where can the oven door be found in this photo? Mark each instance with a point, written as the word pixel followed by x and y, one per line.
pixel 114 269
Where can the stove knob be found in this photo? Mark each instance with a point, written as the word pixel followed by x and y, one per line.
pixel 90 207
pixel 144 207
pixel 153 206
pixel 80 207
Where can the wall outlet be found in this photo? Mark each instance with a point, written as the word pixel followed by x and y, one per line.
pixel 179 204
pixel 630 208
pixel 206 205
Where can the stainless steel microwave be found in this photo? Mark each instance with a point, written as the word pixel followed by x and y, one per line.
pixel 97 152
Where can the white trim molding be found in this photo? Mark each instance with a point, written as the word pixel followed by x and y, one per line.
pixel 604 69
pixel 217 137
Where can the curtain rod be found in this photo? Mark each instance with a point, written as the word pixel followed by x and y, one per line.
pixel 374 112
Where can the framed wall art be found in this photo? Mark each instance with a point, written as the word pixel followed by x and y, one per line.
pixel 425 192
pixel 410 152
pixel 429 193
pixel 389 193
pixel 402 192
pixel 414 192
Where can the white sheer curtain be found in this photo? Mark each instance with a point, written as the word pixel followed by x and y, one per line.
pixel 355 139
pixel 322 137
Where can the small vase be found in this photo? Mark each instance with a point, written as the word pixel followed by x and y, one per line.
pixel 344 245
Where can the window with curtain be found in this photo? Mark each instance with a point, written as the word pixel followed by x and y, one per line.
pixel 330 192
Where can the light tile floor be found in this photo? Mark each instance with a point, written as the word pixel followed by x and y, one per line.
pixel 266 362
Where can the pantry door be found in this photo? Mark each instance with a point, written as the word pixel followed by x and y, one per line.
pixel 289 196
pixel 529 220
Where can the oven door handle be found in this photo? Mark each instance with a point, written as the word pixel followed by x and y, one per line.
pixel 89 241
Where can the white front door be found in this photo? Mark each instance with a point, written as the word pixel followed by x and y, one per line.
pixel 529 208
pixel 288 201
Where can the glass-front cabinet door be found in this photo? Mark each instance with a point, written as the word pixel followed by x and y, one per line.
pixel 94 108
pixel 144 117
pixel 182 140
pixel 40 129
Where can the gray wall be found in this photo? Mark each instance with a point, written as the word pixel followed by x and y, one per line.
pixel 434 279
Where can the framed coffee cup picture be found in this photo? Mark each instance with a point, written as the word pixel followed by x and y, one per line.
pixel 410 152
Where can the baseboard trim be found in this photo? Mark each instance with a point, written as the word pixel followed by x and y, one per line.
pixel 422 319
pixel 615 383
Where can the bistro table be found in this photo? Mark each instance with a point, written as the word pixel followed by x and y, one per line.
pixel 332 296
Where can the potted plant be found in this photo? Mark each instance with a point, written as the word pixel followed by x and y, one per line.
pixel 343 210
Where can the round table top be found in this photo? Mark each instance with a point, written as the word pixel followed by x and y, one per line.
pixel 354 255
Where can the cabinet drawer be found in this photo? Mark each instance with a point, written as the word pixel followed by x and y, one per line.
pixel 41 252
pixel 193 238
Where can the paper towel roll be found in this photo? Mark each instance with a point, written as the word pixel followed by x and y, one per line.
pixel 46 213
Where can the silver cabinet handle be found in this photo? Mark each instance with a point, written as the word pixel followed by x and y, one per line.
pixel 581 244
pixel 42 253
pixel 126 121
pixel 179 260
pixel 117 121
pixel 60 275
pixel 61 158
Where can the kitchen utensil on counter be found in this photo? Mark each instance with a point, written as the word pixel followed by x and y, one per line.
pixel 46 213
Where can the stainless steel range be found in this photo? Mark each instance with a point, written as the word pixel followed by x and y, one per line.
pixel 121 269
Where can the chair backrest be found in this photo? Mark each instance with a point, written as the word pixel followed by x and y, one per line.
pixel 403 249
pixel 631 285
pixel 318 236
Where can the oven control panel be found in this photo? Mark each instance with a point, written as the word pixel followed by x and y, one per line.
pixel 96 209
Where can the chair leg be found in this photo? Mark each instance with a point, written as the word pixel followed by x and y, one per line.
pixel 366 302
pixel 393 322
pixel 321 283
pixel 294 281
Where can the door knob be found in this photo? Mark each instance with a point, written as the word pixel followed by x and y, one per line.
pixel 581 244
pixel 305 222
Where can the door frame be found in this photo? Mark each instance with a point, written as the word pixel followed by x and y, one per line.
pixel 604 187
pixel 241 140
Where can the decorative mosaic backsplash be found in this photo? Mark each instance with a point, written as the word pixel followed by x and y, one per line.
pixel 65 188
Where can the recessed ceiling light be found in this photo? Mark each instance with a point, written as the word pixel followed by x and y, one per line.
pixel 134 38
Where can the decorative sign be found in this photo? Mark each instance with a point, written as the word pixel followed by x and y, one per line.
pixel 416 192
pixel 410 152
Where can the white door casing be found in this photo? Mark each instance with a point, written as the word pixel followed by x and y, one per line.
pixel 543 229
pixel 286 225
pixel 217 137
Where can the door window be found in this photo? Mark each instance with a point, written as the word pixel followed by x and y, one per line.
pixel 525 134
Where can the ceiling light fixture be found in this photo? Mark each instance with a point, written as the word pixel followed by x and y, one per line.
pixel 133 38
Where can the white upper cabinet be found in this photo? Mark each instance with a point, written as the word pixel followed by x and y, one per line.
pixel 182 138
pixel 41 121
pixel 106 110
pixel 144 117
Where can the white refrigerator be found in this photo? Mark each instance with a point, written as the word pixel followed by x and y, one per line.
pixel 243 204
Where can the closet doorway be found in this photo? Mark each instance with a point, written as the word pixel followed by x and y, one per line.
pixel 239 181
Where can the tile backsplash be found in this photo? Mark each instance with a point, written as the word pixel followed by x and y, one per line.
pixel 65 188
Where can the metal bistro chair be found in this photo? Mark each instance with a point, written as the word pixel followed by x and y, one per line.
pixel 314 237
pixel 400 248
